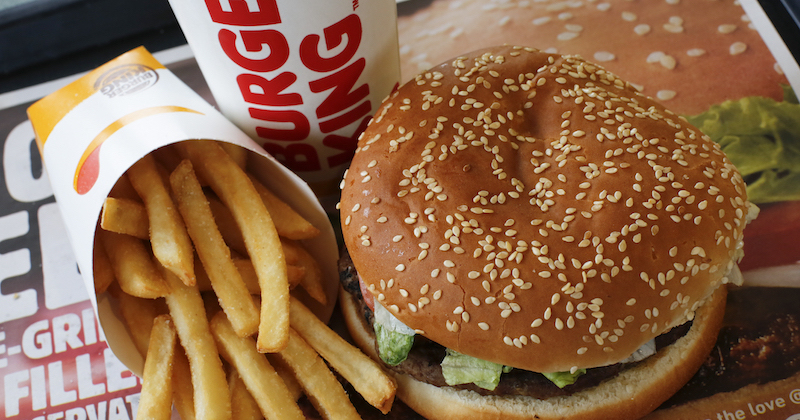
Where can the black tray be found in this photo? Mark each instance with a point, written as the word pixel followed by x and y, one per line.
pixel 68 36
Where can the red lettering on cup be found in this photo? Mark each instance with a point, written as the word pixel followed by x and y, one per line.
pixel 295 118
pixel 334 36
pixel 342 96
pixel 256 41
pixel 331 54
pixel 269 92
pixel 241 14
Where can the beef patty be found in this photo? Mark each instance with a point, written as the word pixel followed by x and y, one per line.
pixel 424 360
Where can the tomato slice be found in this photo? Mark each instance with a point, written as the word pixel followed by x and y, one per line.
pixel 368 298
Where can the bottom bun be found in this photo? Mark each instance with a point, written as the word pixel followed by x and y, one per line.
pixel 631 394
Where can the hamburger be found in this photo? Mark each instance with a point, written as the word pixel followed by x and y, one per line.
pixel 528 236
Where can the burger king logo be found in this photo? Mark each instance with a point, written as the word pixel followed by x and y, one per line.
pixel 125 79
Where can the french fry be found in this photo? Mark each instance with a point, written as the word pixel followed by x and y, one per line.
pixel 155 400
pixel 134 269
pixel 234 298
pixel 102 271
pixel 168 237
pixel 290 224
pixel 290 251
pixel 167 156
pixel 237 153
pixel 211 395
pixel 124 189
pixel 285 372
pixel 293 272
pixel 243 405
pixel 248 273
pixel 264 384
pixel 320 385
pixel 311 280
pixel 227 225
pixel 366 376
pixel 245 269
pixel 126 216
pixel 129 217
pixel 182 389
pixel 234 188
pixel 138 315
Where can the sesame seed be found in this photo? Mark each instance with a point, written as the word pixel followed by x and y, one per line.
pixel 567 36
pixel 737 48
pixel 555 298
pixel 655 57
pixel 665 94
pixel 642 29
pixel 695 52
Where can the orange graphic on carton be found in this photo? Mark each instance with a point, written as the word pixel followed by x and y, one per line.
pixel 130 73
pixel 89 164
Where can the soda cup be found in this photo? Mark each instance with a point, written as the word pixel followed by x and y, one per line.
pixel 301 77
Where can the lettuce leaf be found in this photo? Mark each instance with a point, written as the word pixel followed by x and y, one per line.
pixel 562 379
pixel 393 346
pixel 459 368
pixel 394 338
pixel 761 137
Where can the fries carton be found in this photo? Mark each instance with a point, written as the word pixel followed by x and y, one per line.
pixel 301 77
pixel 92 131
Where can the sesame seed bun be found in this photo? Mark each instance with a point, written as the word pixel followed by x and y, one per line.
pixel 535 210
pixel 631 394
pixel 687 54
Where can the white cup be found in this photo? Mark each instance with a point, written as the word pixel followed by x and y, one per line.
pixel 301 77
